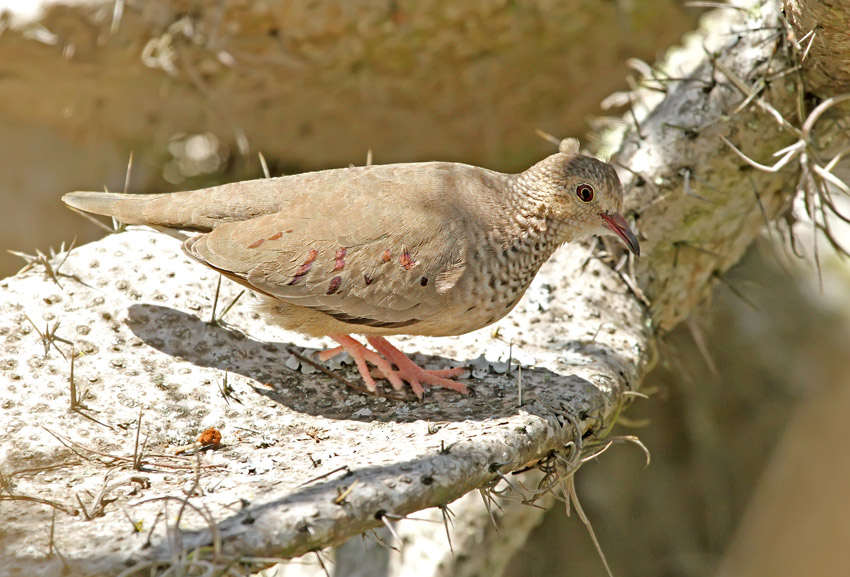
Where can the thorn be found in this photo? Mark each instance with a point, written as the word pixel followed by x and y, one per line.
pixel 117 14
pixel 762 210
pixel 747 91
pixel 782 73
pixel 832 179
pixel 497 472
pixel 379 541
pixel 779 165
pixel 487 497
pixel 264 165
pixel 227 392
pixel 215 299
pixel 322 563
pixel 64 260
pixel 341 497
pixel 328 474
pixel 584 519
pixel 129 171
pixel 642 178
pixel 39 258
pixel 137 525
pixel 229 306
pixel 692 246
pixel 634 116
pixel 137 455
pixel 819 110
pixel 641 67
pixel 547 137
pixel 702 346
pixel 686 177
pixel 49 337
pixel 73 386
pixel 447 518
pixel 519 385
pixel 82 507
pixel 383 518
pixel 813 32
pixel 736 292
pixel 632 283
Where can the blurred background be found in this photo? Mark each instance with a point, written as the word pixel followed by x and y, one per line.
pixel 195 89
pixel 748 475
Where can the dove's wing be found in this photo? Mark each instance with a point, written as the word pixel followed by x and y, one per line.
pixel 377 248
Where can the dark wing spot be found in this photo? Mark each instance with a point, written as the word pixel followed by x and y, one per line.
pixel 305 267
pixel 368 279
pixel 406 261
pixel 424 281
pixel 339 259
pixel 334 285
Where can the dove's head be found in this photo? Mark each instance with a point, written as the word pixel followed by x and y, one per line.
pixel 582 193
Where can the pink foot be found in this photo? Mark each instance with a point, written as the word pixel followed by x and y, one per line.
pixel 386 353
pixel 331 353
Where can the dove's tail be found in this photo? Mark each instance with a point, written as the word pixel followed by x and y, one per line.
pixel 128 208
pixel 189 210
pixel 199 210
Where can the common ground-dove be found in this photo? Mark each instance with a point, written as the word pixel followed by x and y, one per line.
pixel 433 248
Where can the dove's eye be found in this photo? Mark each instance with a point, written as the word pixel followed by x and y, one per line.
pixel 584 192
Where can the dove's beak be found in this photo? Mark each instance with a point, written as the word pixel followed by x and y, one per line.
pixel 618 225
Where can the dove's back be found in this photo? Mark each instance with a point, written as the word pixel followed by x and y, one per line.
pixel 338 192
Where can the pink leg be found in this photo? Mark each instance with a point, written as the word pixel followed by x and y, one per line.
pixel 413 373
pixel 330 353
pixel 361 354
pixel 386 354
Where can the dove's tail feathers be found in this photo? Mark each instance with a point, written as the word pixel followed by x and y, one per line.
pixel 151 209
pixel 128 208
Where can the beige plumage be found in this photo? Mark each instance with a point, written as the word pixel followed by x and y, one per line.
pixel 433 248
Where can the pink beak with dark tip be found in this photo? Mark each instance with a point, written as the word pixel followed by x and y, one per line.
pixel 618 225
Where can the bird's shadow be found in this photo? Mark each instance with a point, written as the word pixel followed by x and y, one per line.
pixel 206 344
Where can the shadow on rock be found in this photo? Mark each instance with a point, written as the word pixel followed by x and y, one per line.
pixel 205 344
